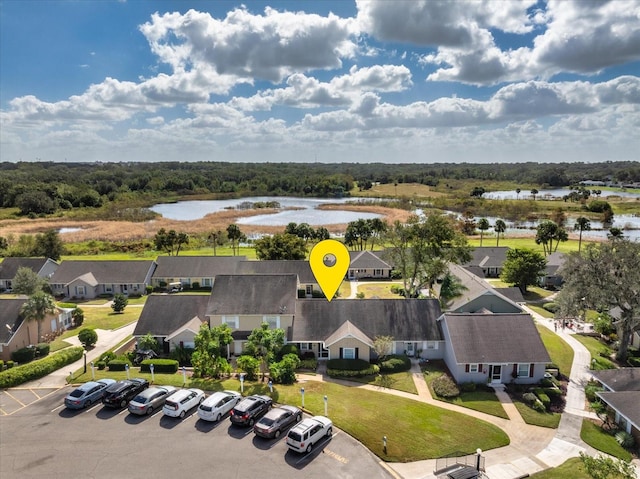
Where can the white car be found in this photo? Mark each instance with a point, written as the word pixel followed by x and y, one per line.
pixel 182 401
pixel 304 435
pixel 218 404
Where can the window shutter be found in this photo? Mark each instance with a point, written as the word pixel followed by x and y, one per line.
pixel 515 370
pixel 340 353
pixel 359 348
pixel 480 367
pixel 531 370
pixel 466 368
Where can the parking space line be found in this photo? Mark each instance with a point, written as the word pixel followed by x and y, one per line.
pixel 15 398
pixel 336 456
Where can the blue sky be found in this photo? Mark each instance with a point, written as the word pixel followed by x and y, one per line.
pixel 330 81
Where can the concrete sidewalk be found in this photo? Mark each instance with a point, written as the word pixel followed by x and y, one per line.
pixel 107 339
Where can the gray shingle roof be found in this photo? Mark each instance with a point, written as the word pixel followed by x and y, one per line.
pixel 499 338
pixel 104 272
pixel 163 314
pixel 626 403
pixel 254 294
pixel 10 314
pixel 404 319
pixel 367 260
pixel 623 379
pixel 9 266
pixel 488 256
pixel 299 267
pixel 513 293
pixel 196 266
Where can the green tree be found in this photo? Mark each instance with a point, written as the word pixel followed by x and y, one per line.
pixel 148 342
pixel 209 355
pixel 483 225
pixel 468 223
pixel 357 234
pixel 37 307
pixel 523 267
pixel 78 317
pixel 263 343
pixel 35 203
pixel 615 234
pixel 500 227
pixel 518 190
pixel 170 241
pixel 120 301
pixel 88 338
pixel 217 238
pixel 382 345
pixel 421 249
pixel 478 191
pixel 250 365
pixel 322 233
pixel 235 235
pixel 49 245
pixel 605 467
pixel 450 288
pixel 605 277
pixel 549 232
pixel 582 224
pixel 27 282
pixel 534 192
pixel 284 371
pixel 4 243
pixel 280 246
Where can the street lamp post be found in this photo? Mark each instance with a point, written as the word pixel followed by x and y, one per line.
pixel 85 362
pixel 326 399
pixel 93 372
pixel 302 393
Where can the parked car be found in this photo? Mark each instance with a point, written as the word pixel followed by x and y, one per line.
pixel 87 394
pixel 218 404
pixel 182 401
pixel 250 409
pixel 277 420
pixel 304 435
pixel 150 399
pixel 121 392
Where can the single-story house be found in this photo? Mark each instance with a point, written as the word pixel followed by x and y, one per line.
pixel 306 280
pixel 43 267
pixel 346 328
pixel 493 348
pixel 16 333
pixel 91 279
pixel 244 302
pixel 488 260
pixel 368 265
pixel 552 278
pixel 622 395
pixel 193 271
pixel 172 320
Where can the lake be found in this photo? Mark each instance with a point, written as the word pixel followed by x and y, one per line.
pixel 306 210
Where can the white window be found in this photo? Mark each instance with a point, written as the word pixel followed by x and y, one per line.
pixel 231 321
pixel 108 288
pixel 432 345
pixel 206 282
pixel 309 289
pixel 304 347
pixel 348 353
pixel 523 370
pixel 473 368
pixel 81 290
pixel 272 321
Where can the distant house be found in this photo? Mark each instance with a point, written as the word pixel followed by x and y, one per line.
pixel 172 320
pixel 493 348
pixel 346 328
pixel 487 261
pixel 191 271
pixel 15 333
pixel 552 278
pixel 622 395
pixel 43 267
pixel 368 265
pixel 306 280
pixel 91 279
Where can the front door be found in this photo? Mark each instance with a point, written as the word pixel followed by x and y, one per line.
pixel 496 374
pixel 409 347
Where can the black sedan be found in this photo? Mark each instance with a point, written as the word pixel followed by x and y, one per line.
pixel 277 420
pixel 120 393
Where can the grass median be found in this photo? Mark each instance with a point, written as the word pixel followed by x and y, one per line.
pixel 415 431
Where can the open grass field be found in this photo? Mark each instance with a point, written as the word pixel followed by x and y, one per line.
pixel 535 418
pixel 593 435
pixel 561 353
pixel 572 468
pixel 103 317
pixel 402 381
pixel 391 190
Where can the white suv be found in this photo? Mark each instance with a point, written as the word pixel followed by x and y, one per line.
pixel 182 401
pixel 305 434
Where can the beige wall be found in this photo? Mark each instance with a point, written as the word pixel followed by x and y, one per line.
pixel 25 335
pixel 364 351
pixel 185 336
pixel 249 322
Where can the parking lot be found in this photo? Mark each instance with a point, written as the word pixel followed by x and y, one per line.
pixel 41 438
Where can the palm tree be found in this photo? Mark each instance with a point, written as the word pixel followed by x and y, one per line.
pixel 534 192
pixel 582 224
pixel 518 190
pixel 483 225
pixel 36 309
pixel 500 227
pixel 615 234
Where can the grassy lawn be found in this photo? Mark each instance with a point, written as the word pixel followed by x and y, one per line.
pixel 571 468
pixel 415 430
pixel 535 418
pixel 593 435
pixel 381 290
pixel 541 311
pixel 402 381
pixel 58 344
pixel 561 353
pixel 595 347
pixel 103 317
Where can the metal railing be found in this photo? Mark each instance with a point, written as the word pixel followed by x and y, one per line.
pixel 458 459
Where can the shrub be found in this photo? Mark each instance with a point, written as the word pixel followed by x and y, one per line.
pixel 23 355
pixel 148 289
pixel 88 337
pixel 195 285
pixel 529 398
pixel 118 364
pixel 182 355
pixel 37 369
pixel 394 363
pixel 370 370
pixel 284 372
pixel 78 317
pixel 101 365
pixel 544 398
pixel 308 355
pixel 445 387
pixel 107 356
pixel 468 387
pixel 317 294
pixel 348 364
pixel 625 439
pixel 302 294
pixel 551 307
pixel 634 362
pixel 287 349
pixel 42 349
pixel 169 366
pixel 360 295
pixel 10 364
pixel 1 365
pixel 538 406
pixel 311 364
pixel 546 383
pixel 591 389
pixel 249 365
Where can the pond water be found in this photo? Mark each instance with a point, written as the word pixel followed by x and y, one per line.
pixel 306 211
pixel 552 194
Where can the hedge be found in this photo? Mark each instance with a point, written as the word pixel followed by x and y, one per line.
pixel 354 373
pixel 23 355
pixel 40 368
pixel 118 365
pixel 159 366
pixel 42 349
pixel 348 364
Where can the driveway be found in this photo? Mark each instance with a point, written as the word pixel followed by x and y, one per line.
pixel 44 439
